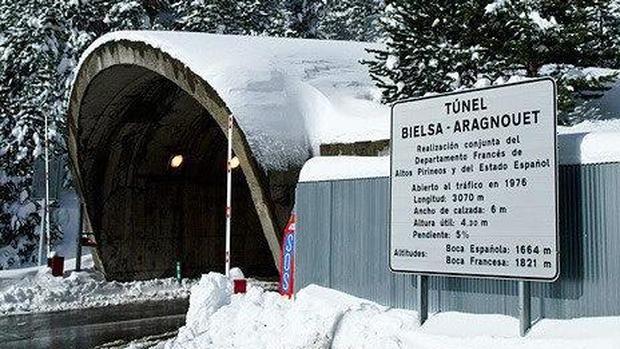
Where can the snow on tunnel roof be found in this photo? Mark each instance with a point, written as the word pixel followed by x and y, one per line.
pixel 288 95
pixel 291 95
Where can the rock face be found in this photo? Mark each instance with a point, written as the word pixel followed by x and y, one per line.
pixel 132 109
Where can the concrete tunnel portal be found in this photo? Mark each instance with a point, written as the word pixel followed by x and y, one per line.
pixel 132 108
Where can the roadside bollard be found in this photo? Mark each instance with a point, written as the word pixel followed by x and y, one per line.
pixel 57 263
pixel 179 276
pixel 240 285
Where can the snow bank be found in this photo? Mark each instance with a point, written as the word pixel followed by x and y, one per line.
pixel 325 318
pixel 592 126
pixel 36 290
pixel 344 167
pixel 589 148
pixel 13 275
pixel 262 319
pixel 288 95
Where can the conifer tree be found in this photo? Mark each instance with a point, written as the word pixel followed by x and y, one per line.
pixel 593 27
pixel 302 18
pixel 352 20
pixel 127 15
pixel 553 38
pixel 442 46
pixel 427 50
pixel 31 50
pixel 40 44
pixel 244 17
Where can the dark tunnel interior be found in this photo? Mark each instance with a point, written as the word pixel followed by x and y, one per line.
pixel 146 215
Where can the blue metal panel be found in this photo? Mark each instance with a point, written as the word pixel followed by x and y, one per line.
pixel 359 218
pixel 313 249
pixel 342 243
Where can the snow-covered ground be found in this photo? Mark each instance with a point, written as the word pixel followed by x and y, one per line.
pixel 323 318
pixel 36 290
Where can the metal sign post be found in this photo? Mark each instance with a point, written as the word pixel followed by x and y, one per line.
pixel 228 191
pixel 42 256
pixel 422 293
pixel 525 308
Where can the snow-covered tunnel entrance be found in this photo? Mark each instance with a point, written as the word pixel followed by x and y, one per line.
pixel 148 214
pixel 140 98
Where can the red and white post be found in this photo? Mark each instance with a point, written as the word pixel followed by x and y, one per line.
pixel 228 192
pixel 48 238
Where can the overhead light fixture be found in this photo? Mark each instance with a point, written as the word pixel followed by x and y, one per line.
pixel 234 162
pixel 176 161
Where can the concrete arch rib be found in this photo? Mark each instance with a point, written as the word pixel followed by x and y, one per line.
pixel 152 75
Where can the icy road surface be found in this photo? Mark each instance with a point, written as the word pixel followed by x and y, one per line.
pixel 86 328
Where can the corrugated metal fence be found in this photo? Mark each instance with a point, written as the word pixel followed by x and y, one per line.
pixel 342 239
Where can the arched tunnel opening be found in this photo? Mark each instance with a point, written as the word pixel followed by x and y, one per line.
pixel 147 215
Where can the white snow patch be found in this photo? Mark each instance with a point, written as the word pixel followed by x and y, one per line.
pixel 494 6
pixel 542 23
pixel 36 290
pixel 589 148
pixel 392 62
pixel 212 292
pixel 324 318
pixel 344 167
pixel 236 273
pixel 259 319
pixel 456 324
pixel 592 126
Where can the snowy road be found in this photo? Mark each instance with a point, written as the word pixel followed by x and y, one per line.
pixel 86 328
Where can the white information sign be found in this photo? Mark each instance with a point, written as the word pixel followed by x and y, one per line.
pixel 474 183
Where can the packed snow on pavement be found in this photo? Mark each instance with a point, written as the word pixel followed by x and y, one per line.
pixel 324 318
pixel 36 290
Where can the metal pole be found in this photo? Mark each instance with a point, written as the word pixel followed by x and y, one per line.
pixel 525 315
pixel 78 242
pixel 42 259
pixel 228 192
pixel 47 188
pixel 422 293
